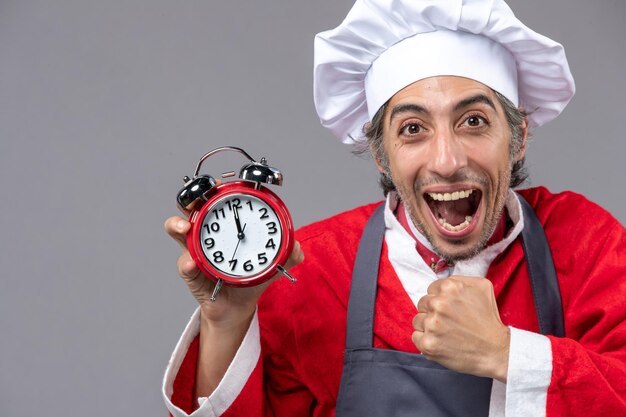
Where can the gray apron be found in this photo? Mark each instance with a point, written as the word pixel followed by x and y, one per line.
pixel 388 383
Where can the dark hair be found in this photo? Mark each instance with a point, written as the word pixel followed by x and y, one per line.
pixel 373 132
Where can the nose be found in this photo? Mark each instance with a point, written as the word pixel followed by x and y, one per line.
pixel 446 154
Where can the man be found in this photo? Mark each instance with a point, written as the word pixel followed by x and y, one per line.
pixel 447 299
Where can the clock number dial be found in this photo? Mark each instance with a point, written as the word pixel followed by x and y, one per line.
pixel 235 202
pixel 243 230
pixel 213 227
pixel 218 257
pixel 232 263
pixel 217 213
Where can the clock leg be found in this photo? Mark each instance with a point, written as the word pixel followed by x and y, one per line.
pixel 217 289
pixel 285 273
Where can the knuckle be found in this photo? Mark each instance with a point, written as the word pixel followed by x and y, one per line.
pixel 439 304
pixel 450 285
pixel 185 270
pixel 180 264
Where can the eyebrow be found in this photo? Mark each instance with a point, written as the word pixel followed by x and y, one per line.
pixel 478 98
pixel 407 108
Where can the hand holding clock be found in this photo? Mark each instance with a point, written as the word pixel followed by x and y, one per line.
pixel 266 250
pixel 232 300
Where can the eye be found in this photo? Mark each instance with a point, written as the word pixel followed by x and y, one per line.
pixel 475 120
pixel 411 129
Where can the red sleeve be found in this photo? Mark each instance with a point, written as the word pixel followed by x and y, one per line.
pixel 247 403
pixel 185 383
pixel 589 366
pixel 282 396
pixel 589 251
pixel 250 402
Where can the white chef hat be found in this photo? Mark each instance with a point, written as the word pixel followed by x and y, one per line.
pixel 383 46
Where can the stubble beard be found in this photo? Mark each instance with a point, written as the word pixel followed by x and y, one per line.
pixel 492 216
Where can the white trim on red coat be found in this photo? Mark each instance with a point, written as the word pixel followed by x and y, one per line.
pixel 230 386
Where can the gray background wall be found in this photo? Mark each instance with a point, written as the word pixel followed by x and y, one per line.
pixel 104 106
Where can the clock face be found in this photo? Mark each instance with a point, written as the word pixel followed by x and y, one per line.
pixel 240 235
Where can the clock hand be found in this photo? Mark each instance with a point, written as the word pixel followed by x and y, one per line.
pixel 240 234
pixel 239 241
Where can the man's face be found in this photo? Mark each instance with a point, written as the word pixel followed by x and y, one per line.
pixel 447 143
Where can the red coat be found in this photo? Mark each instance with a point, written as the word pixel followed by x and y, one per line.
pixel 303 325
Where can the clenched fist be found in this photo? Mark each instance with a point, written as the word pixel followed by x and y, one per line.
pixel 458 326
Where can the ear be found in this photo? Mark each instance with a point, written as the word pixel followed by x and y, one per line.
pixel 522 151
pixel 377 161
pixel 373 152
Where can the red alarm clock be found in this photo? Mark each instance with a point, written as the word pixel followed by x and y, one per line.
pixel 241 233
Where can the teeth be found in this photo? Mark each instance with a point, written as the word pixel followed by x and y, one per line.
pixel 456 228
pixel 457 195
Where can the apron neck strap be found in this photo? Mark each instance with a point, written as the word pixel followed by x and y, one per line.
pixel 542 274
pixel 360 325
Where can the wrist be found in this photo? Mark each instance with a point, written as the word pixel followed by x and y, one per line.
pixel 501 356
pixel 235 320
pixel 219 342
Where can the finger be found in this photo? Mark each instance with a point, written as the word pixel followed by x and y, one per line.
pixel 418 322
pixel 465 279
pixel 423 304
pixel 416 337
pixel 452 286
pixel 177 228
pixel 435 287
pixel 481 283
pixel 187 268
pixel 296 256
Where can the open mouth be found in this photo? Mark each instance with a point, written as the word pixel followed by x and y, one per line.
pixel 454 211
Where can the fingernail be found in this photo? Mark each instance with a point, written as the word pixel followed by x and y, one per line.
pixel 180 225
